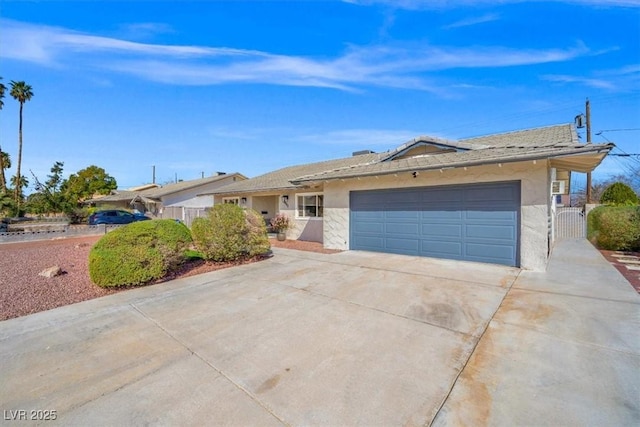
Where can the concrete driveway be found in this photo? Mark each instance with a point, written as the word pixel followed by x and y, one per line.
pixel 343 339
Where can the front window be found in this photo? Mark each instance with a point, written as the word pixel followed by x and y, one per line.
pixel 232 200
pixel 310 205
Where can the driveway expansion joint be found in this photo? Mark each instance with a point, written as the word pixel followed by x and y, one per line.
pixel 534 291
pixel 574 341
pixel 473 350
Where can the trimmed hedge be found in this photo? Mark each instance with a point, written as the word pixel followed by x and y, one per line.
pixel 615 228
pixel 138 253
pixel 229 233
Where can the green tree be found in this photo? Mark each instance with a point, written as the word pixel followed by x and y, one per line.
pixel 23 182
pixel 22 93
pixel 88 182
pixel 3 164
pixel 6 203
pixel 49 197
pixel 619 193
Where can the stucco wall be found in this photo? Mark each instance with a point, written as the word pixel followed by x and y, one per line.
pixel 534 179
pixel 189 197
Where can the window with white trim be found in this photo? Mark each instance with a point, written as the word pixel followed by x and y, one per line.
pixel 232 200
pixel 310 205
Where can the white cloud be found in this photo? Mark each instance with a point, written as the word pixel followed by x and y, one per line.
pixel 613 79
pixel 474 20
pixel 591 82
pixel 448 4
pixel 399 66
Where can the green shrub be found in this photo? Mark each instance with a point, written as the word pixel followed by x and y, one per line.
pixel 619 194
pixel 229 233
pixel 138 253
pixel 615 228
pixel 257 240
pixel 78 215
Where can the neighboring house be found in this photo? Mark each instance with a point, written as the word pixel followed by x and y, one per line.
pixel 182 200
pixel 487 199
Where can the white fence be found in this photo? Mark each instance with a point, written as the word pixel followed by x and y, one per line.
pixel 570 223
pixel 184 214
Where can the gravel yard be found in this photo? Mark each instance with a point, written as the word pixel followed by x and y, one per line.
pixel 23 291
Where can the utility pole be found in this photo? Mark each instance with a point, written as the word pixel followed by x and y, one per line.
pixel 154 175
pixel 588 113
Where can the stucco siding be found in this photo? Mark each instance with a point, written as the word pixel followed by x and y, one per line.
pixel 534 202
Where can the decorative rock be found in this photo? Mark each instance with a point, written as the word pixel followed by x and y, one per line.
pixel 51 272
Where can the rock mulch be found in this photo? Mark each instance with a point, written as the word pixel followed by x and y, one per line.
pixel 627 263
pixel 24 291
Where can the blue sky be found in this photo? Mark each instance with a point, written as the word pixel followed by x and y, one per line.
pixel 252 86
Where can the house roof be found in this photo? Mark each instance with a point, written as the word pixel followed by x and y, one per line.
pixel 558 142
pixel 281 178
pixel 558 135
pixel 592 155
pixel 154 194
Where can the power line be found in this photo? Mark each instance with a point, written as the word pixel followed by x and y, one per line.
pixel 617 130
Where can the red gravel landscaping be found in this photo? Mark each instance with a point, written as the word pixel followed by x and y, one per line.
pixel 23 291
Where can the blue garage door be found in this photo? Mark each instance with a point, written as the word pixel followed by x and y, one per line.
pixel 477 222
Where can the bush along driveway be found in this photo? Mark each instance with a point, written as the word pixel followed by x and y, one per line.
pixel 351 338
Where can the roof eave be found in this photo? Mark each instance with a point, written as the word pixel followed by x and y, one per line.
pixel 598 155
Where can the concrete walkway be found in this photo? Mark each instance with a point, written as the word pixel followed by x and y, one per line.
pixel 352 338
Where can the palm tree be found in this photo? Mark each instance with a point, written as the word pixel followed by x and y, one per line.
pixel 22 93
pixel 3 180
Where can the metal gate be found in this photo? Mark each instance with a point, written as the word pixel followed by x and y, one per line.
pixel 570 223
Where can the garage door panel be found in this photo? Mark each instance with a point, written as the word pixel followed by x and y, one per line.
pixel 368 215
pixel 497 253
pixel 439 196
pixel 369 227
pixel 369 242
pixel 439 214
pixel 494 193
pixel 441 249
pixel 404 246
pixel 442 230
pixel 475 215
pixel 491 232
pixel 477 222
pixel 402 228
pixel 393 215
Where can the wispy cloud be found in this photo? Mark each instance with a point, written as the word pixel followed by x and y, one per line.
pixel 591 82
pixel 612 79
pixel 448 4
pixel 399 66
pixel 467 22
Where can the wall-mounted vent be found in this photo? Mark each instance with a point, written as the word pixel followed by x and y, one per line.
pixel 361 152
pixel 557 187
